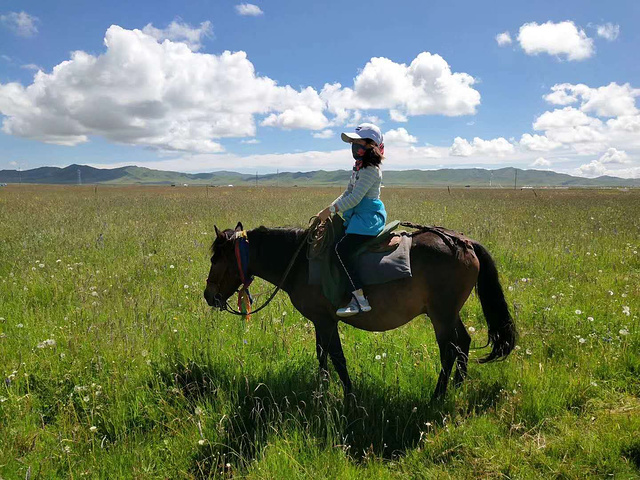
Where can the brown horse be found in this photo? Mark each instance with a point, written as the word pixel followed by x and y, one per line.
pixel 443 276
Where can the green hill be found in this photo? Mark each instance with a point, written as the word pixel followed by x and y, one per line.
pixel 475 177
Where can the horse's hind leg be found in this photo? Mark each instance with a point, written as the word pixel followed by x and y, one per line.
pixel 446 329
pixel 463 341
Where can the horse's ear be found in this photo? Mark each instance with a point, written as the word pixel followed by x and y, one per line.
pixel 218 233
pixel 239 227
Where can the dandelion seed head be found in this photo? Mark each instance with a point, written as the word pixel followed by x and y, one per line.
pixel 578 312
pixel 471 329
pixel 378 357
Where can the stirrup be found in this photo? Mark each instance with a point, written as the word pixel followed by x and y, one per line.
pixel 354 307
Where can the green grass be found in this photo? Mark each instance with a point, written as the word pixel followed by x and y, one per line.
pixel 113 366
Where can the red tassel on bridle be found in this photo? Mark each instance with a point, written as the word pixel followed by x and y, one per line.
pixel 244 297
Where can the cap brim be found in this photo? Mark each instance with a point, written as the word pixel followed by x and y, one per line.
pixel 350 137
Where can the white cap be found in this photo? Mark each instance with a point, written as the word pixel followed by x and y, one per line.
pixel 364 130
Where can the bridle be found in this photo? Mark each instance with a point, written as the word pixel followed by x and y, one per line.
pixel 241 236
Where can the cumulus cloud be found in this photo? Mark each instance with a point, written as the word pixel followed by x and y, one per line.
pixel 160 95
pixel 425 87
pixel 181 32
pixel 541 162
pixel 538 143
pixel 397 116
pixel 613 155
pixel 563 39
pixel 248 9
pixel 324 134
pixel 151 88
pixel 20 23
pixel 399 136
pixel 497 146
pixel 607 101
pixel 503 39
pixel 608 31
pixel 592 169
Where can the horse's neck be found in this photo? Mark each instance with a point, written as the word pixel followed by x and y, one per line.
pixel 270 252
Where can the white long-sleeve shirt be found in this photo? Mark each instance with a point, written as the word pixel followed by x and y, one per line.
pixel 364 183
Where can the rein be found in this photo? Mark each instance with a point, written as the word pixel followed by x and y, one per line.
pixel 314 223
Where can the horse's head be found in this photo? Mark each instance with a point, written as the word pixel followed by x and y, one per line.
pixel 224 275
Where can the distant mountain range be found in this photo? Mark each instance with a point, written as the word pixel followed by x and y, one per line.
pixel 475 177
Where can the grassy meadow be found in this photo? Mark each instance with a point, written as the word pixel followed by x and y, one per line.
pixel 113 366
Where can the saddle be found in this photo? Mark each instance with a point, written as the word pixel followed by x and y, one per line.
pixel 382 259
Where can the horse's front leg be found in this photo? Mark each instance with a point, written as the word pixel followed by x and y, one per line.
pixel 328 343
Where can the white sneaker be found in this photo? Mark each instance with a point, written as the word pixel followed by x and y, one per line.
pixel 356 305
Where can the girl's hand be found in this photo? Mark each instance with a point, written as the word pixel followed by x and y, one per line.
pixel 323 215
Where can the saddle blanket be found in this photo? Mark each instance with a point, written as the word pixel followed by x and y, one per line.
pixel 374 267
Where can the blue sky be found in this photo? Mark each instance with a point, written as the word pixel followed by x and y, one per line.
pixel 561 95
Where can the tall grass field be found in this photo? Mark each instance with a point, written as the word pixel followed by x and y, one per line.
pixel 113 366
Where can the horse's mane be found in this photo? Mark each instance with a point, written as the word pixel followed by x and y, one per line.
pixel 279 234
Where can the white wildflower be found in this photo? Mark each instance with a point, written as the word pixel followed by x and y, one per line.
pixel 581 340
pixel 626 311
pixel 171 266
pixel 41 265
pixel 528 351
pixel 471 329
pixel 49 342
pixel 94 293
pixel 623 331
pixel 201 442
pixel 186 286
pixel 590 319
pixel 378 357
pixel 578 312
pixel 93 429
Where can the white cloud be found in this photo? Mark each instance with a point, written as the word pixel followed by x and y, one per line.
pixel 608 31
pixel 397 116
pixel 593 169
pixel 613 155
pixel 30 66
pixel 425 87
pixel 399 136
pixel 538 143
pixel 151 88
pixel 496 146
pixel 249 9
pixel 251 141
pixel 607 101
pixel 161 95
pixel 559 39
pixel 181 32
pixel 324 134
pixel 503 39
pixel 541 162
pixel 300 116
pixel 20 23
pixel 563 118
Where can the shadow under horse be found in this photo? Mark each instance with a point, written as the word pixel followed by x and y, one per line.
pixel 442 279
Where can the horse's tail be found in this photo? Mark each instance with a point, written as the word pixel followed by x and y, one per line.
pixel 502 329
